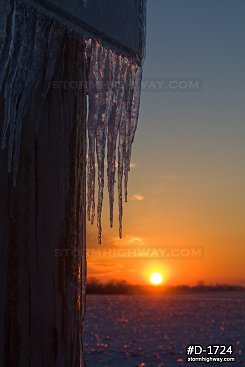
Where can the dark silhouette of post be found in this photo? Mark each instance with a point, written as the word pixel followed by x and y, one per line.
pixel 42 226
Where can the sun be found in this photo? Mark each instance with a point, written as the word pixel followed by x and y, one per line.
pixel 156 278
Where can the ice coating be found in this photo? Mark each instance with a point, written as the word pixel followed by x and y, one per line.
pixel 23 62
pixel 114 92
pixel 113 101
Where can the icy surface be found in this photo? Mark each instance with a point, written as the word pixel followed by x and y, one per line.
pixel 154 331
pixel 113 81
pixel 114 92
pixel 26 56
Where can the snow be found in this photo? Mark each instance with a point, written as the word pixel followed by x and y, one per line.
pixel 155 330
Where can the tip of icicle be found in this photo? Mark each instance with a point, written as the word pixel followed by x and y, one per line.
pixel 99 238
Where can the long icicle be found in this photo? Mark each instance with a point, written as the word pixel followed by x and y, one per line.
pixel 114 91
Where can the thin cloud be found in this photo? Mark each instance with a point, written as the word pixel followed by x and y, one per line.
pixel 132 239
pixel 127 240
pixel 137 197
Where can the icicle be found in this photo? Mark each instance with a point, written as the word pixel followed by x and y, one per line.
pixel 123 127
pixel 113 123
pixel 22 57
pixel 93 94
pixel 30 83
pixel 53 46
pixel 113 90
pixel 5 74
pixel 134 113
pixel 8 47
pixel 101 132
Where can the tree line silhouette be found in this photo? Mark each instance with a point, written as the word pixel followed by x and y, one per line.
pixel 94 286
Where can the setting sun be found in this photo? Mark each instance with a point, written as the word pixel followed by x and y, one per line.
pixel 156 278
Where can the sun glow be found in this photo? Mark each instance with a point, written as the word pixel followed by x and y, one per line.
pixel 156 278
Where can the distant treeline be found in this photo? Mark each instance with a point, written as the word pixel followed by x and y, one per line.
pixel 122 287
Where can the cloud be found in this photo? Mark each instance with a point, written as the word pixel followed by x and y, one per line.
pixel 132 239
pixel 103 269
pixel 137 197
pixel 127 241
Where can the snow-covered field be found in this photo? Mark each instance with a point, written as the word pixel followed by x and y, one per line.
pixel 154 331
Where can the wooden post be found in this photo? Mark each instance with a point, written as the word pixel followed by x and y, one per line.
pixel 42 225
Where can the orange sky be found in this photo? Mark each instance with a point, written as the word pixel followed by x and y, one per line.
pixel 172 230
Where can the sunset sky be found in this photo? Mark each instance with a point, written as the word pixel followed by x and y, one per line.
pixel 186 186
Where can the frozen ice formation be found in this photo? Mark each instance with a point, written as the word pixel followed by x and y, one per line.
pixel 113 94
pixel 29 55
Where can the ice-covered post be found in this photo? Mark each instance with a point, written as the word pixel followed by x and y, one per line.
pixel 63 68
